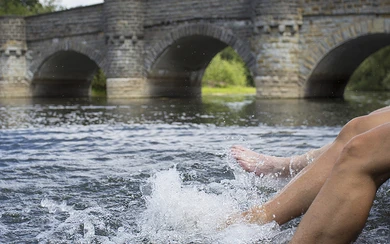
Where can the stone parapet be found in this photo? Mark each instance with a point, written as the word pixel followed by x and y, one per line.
pixel 72 22
pixel 162 12
pixel 12 29
pixel 342 7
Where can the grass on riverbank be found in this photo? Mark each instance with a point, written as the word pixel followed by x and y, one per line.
pixel 98 93
pixel 233 90
pixel 206 90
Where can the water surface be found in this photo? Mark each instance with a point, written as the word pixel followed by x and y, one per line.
pixel 156 170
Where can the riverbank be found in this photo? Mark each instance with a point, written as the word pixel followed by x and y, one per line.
pixel 234 90
pixel 215 91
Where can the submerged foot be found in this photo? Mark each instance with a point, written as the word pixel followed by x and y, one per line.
pixel 258 163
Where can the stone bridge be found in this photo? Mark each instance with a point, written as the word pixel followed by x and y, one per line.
pixel 293 48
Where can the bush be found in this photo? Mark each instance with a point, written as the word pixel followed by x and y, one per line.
pixel 99 81
pixel 373 74
pixel 227 69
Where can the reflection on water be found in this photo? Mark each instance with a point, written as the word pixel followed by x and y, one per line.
pixel 217 110
pixel 156 170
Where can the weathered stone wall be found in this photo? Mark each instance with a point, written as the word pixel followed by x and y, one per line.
pixel 91 45
pixel 78 29
pixel 336 36
pixel 277 9
pixel 12 28
pixel 77 21
pixel 169 11
pixel 315 29
pixel 13 63
pixel 324 18
pixel 199 29
pixel 163 17
pixel 320 7
pixel 276 43
pixel 124 31
pixel 242 28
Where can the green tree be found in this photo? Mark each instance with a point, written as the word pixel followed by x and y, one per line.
pixel 28 7
pixel 99 81
pixel 227 69
pixel 373 74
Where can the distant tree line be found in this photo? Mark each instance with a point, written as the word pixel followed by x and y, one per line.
pixel 28 7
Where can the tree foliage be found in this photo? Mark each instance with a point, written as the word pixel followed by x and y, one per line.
pixel 373 74
pixel 99 81
pixel 227 69
pixel 28 7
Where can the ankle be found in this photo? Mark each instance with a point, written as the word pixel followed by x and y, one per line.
pixel 256 215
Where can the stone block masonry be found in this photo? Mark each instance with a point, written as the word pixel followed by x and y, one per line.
pixel 294 48
pixel 13 58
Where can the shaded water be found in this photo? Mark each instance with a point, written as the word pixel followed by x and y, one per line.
pixel 156 170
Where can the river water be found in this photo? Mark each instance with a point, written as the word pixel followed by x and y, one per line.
pixel 157 170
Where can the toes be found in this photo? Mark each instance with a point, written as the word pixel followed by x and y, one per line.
pixel 247 167
pixel 238 147
pixel 235 152
pixel 243 165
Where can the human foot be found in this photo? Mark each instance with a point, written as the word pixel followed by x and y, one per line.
pixel 254 215
pixel 258 163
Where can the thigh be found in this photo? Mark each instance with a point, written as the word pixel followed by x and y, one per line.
pixel 374 146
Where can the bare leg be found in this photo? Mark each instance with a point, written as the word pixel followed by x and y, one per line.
pixel 339 212
pixel 258 163
pixel 265 164
pixel 296 197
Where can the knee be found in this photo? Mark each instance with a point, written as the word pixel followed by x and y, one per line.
pixel 351 129
pixel 354 156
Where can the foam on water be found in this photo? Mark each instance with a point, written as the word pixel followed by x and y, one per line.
pixel 188 213
pixel 90 225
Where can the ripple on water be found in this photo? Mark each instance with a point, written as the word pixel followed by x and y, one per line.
pixel 71 172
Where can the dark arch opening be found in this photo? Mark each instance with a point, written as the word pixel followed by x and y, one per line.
pixel 332 73
pixel 64 74
pixel 178 71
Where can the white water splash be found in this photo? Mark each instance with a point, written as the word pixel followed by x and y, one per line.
pixel 179 213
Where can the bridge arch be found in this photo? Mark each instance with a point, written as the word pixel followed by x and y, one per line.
pixel 176 63
pixel 64 73
pixel 93 53
pixel 328 66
